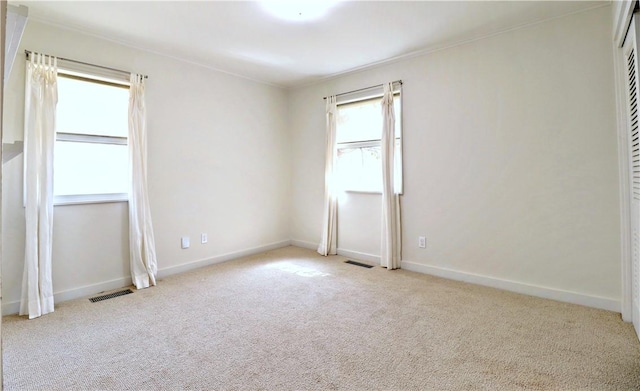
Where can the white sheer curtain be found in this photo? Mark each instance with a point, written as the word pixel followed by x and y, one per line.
pixel 41 98
pixel 329 216
pixel 391 241
pixel 144 265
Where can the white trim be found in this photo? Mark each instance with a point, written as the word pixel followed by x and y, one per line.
pixel 356 255
pixel 89 290
pixel 631 44
pixel 623 177
pixel 622 12
pixel 305 82
pixel 154 52
pixel 518 287
pixel 13 307
pixel 426 51
pixel 80 199
pixel 185 267
pixel 531 290
pixel 374 192
pixel 359 256
pixel 93 73
pixel 91 138
pixel 369 93
pixel 304 244
pixel 358 144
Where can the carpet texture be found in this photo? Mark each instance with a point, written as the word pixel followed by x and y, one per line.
pixel 290 319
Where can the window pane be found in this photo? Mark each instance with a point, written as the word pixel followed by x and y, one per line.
pixel 359 121
pixel 362 121
pixel 359 169
pixel 88 168
pixel 91 108
pixel 359 161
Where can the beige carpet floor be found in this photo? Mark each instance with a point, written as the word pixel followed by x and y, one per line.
pixel 290 319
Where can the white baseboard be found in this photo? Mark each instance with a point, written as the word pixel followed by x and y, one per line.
pixel 518 287
pixel 88 290
pixel 185 267
pixel 304 244
pixel 358 256
pixel 72 294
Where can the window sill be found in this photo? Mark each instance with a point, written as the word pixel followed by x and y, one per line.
pixel 89 199
pixel 378 192
pixel 364 191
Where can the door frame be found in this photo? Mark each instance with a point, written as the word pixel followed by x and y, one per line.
pixel 622 14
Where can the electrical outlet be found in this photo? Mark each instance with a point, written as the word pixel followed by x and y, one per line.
pixel 203 238
pixel 422 242
pixel 184 242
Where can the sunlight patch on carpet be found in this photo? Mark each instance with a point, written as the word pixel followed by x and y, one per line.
pixel 299 270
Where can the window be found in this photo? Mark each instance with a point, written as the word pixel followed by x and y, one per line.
pixel 358 134
pixel 91 160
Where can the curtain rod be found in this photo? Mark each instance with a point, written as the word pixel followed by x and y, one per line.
pixel 364 89
pixel 29 52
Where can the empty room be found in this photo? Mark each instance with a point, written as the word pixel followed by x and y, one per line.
pixel 296 195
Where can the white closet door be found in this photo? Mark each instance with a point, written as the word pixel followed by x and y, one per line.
pixel 630 50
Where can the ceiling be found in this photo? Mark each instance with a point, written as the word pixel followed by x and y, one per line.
pixel 241 38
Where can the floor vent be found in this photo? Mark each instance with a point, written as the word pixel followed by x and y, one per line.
pixel 110 295
pixel 358 264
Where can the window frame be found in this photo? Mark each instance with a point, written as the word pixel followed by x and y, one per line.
pixel 112 79
pixel 397 94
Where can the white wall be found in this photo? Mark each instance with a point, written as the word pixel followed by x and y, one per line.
pixel 510 161
pixel 218 163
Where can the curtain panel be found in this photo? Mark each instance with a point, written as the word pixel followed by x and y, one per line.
pixel 41 98
pixel 390 253
pixel 328 245
pixel 144 265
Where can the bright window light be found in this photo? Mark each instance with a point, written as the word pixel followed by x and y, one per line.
pixel 92 108
pixel 90 168
pixel 298 11
pixel 359 155
pixel 91 159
